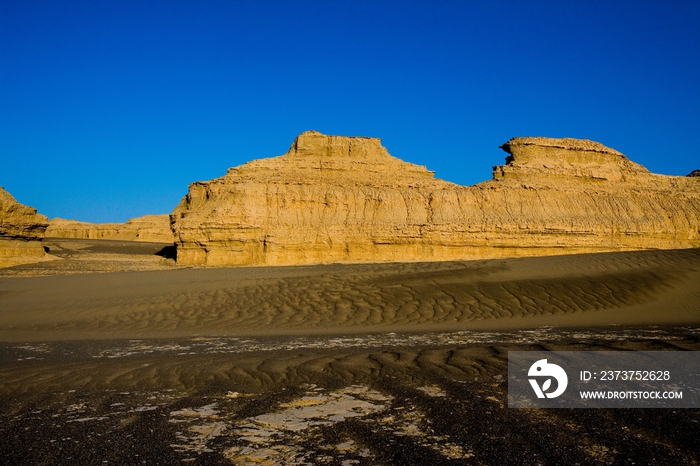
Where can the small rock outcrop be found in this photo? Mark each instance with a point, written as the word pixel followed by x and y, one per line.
pixel 346 199
pixel 566 157
pixel 150 228
pixel 694 173
pixel 21 231
pixel 18 221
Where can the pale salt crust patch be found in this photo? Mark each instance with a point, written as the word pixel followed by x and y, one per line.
pixel 203 425
pixel 433 391
pixel 269 438
pixel 234 345
pixel 412 423
pixel 86 411
pixel 275 438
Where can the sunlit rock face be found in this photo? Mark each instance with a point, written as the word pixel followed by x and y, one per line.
pixel 18 221
pixel 149 228
pixel 566 157
pixel 21 230
pixel 346 199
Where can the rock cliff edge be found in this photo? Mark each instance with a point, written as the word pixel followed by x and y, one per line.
pixel 21 230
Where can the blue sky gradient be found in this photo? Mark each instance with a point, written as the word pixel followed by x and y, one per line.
pixel 109 109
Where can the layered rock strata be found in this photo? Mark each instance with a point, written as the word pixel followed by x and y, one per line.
pixel 346 199
pixel 21 231
pixel 150 228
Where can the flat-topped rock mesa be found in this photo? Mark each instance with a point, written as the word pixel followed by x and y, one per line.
pixel 149 228
pixel 21 231
pixel 346 199
pixel 316 158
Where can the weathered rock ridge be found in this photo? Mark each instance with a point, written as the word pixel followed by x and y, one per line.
pixel 21 230
pixel 346 199
pixel 18 221
pixel 150 228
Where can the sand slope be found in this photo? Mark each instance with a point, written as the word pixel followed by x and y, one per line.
pixel 624 288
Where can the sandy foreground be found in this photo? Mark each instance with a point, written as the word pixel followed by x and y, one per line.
pixel 114 355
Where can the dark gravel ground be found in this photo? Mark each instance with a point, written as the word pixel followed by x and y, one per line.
pixel 76 403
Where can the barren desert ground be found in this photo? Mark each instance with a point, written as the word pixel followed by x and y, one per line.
pixel 115 355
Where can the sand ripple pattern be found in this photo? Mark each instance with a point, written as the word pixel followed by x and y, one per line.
pixel 341 298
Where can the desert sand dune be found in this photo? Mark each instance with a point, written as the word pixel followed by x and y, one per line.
pixel 618 288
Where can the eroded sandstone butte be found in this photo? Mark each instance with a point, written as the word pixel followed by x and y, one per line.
pixel 346 199
pixel 150 228
pixel 21 230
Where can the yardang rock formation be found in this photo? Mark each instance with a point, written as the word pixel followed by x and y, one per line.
pixel 346 199
pixel 149 228
pixel 21 230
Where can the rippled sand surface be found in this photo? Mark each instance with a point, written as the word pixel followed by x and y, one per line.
pixel 653 287
pixel 397 364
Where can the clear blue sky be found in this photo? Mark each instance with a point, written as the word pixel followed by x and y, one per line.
pixel 109 109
